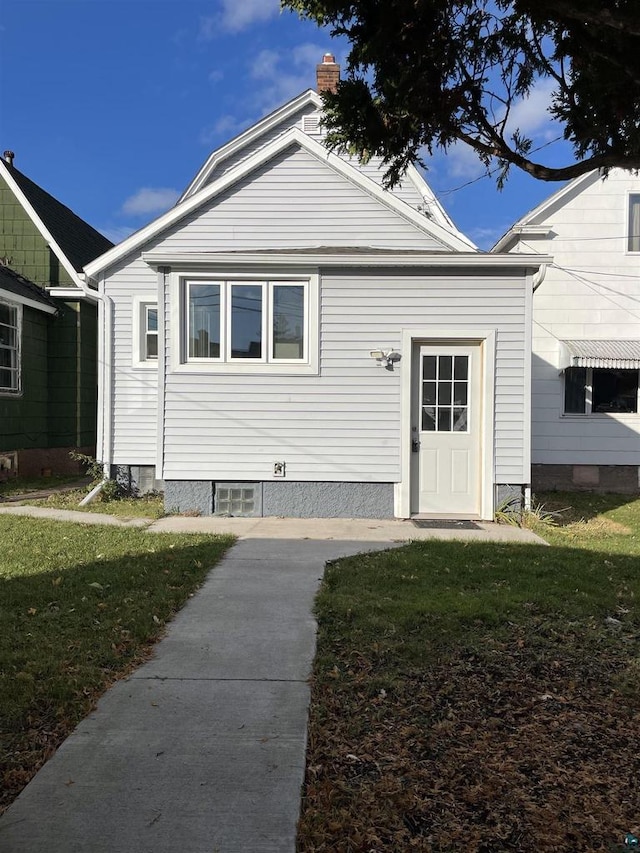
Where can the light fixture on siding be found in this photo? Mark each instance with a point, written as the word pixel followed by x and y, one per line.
pixel 386 358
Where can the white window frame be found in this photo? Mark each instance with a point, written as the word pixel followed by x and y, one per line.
pixel 631 196
pixel 588 405
pixel 179 301
pixel 17 391
pixel 140 357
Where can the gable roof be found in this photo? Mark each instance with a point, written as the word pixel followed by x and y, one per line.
pixel 12 284
pixel 450 240
pixel 577 185
pixel 242 140
pixel 311 99
pixel 72 239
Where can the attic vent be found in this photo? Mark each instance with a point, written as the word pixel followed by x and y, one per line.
pixel 311 123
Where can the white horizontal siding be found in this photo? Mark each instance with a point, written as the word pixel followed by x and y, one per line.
pixel 344 424
pixel 591 291
pixel 134 390
pixel 293 201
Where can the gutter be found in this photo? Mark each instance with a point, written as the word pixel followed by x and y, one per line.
pixel 539 276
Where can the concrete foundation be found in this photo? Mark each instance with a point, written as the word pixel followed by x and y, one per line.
pixel 623 479
pixel 286 499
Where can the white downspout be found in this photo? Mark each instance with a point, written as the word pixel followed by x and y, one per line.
pixel 539 276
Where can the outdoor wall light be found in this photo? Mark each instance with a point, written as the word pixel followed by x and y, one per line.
pixel 387 358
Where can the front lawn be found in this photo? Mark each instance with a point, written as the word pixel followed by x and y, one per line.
pixel 80 606
pixel 481 697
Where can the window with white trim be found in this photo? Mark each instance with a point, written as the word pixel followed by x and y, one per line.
pixel 600 390
pixel 150 345
pixel 633 225
pixel 245 321
pixel 10 321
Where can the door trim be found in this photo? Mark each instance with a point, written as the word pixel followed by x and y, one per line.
pixel 417 337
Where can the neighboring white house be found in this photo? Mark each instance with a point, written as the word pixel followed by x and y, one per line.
pixel 292 339
pixel 586 333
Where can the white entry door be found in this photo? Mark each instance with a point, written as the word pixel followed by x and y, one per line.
pixel 446 430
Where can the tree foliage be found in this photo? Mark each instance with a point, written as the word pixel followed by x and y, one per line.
pixel 425 74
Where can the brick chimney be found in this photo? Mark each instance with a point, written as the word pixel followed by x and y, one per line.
pixel 327 74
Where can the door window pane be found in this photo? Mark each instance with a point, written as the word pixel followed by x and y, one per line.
pixel 288 321
pixel 445 401
pixel 444 366
pixel 429 367
pixel 246 321
pixel 204 321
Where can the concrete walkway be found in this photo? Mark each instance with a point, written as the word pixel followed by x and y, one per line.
pixel 202 749
pixel 347 529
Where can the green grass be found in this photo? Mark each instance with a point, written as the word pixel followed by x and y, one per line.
pixel 146 506
pixel 79 607
pixel 483 697
pixel 19 485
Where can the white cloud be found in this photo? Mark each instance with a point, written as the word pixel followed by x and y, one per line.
pixel 117 233
pixel 285 74
pixel 226 126
pixel 237 15
pixel 150 200
pixel 531 114
pixel 215 76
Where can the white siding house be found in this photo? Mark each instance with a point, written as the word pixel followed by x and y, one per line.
pixel 292 339
pixel 586 333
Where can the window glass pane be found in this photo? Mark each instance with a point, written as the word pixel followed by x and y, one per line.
pixel 460 419
pixel 444 394
pixel 445 366
pixel 152 319
pixel 246 321
pixel 7 379
pixel 428 418
pixel 461 367
pixel 8 315
pixel 7 357
pixel 444 420
pixel 429 367
pixel 615 391
pixel 634 223
pixel 152 346
pixel 428 393
pixel 575 382
pixel 460 393
pixel 288 321
pixel 204 321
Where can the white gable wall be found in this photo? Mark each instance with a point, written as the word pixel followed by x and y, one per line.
pixel 591 291
pixel 294 201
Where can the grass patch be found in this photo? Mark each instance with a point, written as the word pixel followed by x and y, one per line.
pixel 146 506
pixel 481 696
pixel 20 485
pixel 80 607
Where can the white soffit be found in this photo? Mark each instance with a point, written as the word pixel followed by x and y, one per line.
pixel 621 355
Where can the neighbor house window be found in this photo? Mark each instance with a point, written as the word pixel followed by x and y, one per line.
pixel 246 321
pixel 633 230
pixel 10 318
pixel 600 390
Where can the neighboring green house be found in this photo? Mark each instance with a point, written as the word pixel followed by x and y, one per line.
pixel 48 329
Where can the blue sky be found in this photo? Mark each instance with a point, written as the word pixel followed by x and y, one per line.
pixel 113 105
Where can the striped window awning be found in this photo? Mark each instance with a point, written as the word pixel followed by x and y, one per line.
pixel 623 355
